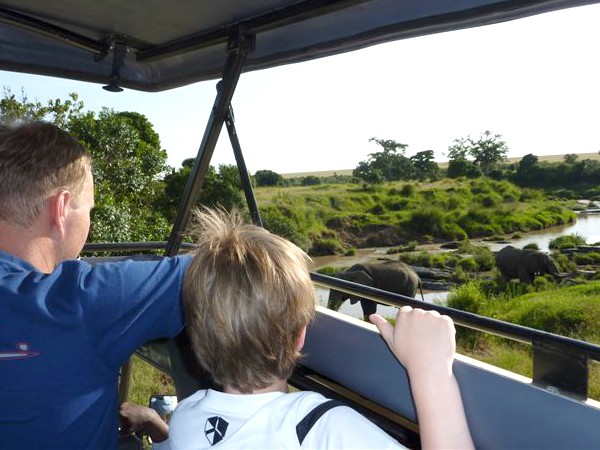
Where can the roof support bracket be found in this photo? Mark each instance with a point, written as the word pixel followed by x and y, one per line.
pixel 119 51
pixel 561 369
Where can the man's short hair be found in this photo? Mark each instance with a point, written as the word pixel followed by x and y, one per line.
pixel 247 296
pixel 36 160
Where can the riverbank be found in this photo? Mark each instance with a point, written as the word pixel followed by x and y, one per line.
pixel 338 218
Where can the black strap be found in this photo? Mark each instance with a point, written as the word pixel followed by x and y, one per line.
pixel 306 424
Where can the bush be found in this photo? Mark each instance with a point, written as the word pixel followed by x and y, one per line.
pixel 531 246
pixel 567 241
pixel 467 264
pixel 328 270
pixel 407 190
pixel 467 297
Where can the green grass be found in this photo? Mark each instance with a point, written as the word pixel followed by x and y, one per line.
pixel 572 311
pixel 147 381
pixel 443 210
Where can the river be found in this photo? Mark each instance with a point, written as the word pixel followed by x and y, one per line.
pixel 586 225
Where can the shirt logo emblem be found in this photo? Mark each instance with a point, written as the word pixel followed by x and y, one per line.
pixel 215 429
pixel 21 352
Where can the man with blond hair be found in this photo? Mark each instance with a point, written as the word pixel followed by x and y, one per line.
pixel 248 299
pixel 66 327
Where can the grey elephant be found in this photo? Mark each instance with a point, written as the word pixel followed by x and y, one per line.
pixel 392 276
pixel 524 264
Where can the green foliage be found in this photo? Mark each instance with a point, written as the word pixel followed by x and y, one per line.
pixel 310 181
pixel 222 187
pixel 268 178
pixel 567 241
pixel 407 190
pixel 285 226
pixel 531 246
pixel 328 270
pixel 425 167
pixel 486 151
pixel 467 297
pixel 388 164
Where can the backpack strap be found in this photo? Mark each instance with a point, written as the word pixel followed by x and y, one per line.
pixel 306 424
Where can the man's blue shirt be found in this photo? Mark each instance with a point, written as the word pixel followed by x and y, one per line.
pixel 63 338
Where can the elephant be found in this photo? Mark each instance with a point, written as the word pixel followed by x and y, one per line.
pixel 392 276
pixel 525 264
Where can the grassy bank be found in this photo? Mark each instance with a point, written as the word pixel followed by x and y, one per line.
pixel 572 311
pixel 331 218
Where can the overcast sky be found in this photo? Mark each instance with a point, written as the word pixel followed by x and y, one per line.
pixel 535 81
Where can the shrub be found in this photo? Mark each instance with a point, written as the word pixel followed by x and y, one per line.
pixel 531 246
pixel 467 297
pixel 407 190
pixel 567 241
pixel 328 270
pixel 467 264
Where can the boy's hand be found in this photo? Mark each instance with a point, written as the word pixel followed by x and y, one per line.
pixel 423 341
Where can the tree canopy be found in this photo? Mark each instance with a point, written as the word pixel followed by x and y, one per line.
pixel 137 193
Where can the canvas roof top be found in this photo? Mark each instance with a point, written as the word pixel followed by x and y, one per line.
pixel 177 42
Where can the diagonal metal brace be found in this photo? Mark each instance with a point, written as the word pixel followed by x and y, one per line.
pixel 238 47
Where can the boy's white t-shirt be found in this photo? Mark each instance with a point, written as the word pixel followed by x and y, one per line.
pixel 212 419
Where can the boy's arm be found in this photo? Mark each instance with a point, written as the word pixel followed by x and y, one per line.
pixel 423 341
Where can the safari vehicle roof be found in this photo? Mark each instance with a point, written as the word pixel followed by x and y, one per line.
pixel 155 44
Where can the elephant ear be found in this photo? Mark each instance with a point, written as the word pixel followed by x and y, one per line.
pixel 357 276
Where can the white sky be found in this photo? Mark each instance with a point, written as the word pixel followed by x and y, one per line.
pixel 535 81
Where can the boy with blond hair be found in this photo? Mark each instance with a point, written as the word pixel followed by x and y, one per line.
pixel 249 298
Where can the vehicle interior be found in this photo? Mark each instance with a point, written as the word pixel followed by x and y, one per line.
pixel 163 45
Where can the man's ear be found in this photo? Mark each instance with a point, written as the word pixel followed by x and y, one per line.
pixel 301 339
pixel 59 209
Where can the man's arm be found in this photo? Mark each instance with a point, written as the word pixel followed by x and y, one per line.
pixel 423 341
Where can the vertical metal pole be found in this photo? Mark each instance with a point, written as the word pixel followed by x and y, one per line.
pixel 239 47
pixel 124 381
pixel 241 164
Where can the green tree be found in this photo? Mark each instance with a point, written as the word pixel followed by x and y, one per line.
pixel 221 187
pixel 386 165
pixel 570 158
pixel 56 111
pixel 488 150
pixel 268 178
pixel 368 174
pixel 425 166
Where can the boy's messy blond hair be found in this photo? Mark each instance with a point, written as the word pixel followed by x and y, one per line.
pixel 248 296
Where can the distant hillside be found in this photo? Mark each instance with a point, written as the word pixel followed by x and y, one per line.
pixel 442 164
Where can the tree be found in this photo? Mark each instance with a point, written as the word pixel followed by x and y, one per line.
pixel 570 158
pixel 310 180
pixel 459 150
pixel 488 150
pixel 55 111
pixel 368 174
pixel 386 165
pixel 425 166
pixel 267 178
pixel 221 187
pixel 459 164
